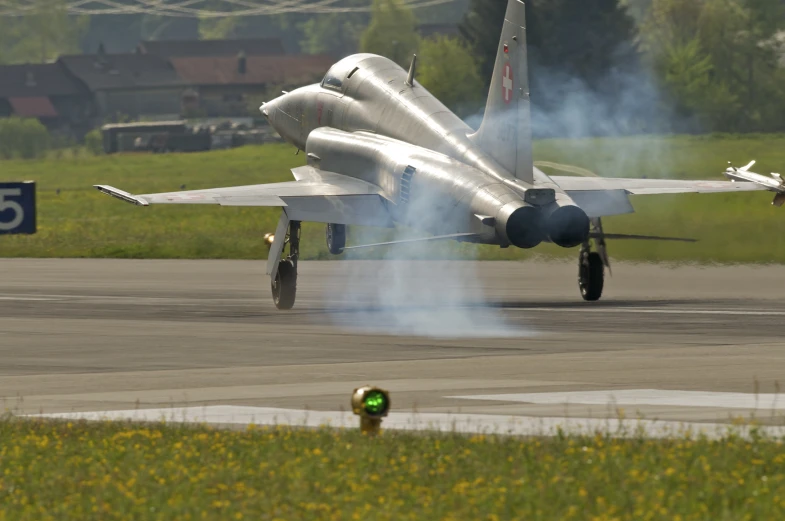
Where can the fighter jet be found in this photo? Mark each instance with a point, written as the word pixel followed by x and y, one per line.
pixel 382 151
pixel 774 183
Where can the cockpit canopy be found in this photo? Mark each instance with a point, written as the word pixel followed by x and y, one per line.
pixel 336 77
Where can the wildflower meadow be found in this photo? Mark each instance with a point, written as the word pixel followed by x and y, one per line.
pixel 102 471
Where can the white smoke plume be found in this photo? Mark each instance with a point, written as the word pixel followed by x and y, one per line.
pixel 409 293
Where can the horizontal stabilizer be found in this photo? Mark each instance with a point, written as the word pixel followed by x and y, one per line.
pixel 638 237
pixel 411 241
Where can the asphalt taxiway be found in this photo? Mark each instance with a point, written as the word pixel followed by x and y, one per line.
pixel 671 343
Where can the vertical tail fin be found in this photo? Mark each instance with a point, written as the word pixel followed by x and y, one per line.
pixel 505 132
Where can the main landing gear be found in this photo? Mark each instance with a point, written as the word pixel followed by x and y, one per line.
pixel 591 264
pixel 284 283
pixel 336 238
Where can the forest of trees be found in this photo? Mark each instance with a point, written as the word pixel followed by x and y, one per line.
pixel 596 66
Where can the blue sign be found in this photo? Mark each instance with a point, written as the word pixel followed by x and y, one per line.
pixel 17 208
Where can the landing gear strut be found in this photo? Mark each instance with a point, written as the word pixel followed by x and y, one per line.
pixel 591 264
pixel 284 283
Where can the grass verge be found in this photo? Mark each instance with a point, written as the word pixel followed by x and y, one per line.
pixel 59 470
pixel 77 221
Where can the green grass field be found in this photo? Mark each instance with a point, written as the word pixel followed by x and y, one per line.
pixel 80 222
pixel 104 471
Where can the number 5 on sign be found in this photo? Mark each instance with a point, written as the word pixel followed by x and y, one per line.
pixel 17 208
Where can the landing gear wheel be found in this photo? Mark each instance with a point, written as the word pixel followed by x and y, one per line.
pixel 284 285
pixel 591 275
pixel 336 238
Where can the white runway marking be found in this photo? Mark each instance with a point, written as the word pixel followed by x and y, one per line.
pixel 26 298
pixel 170 301
pixel 461 423
pixel 657 311
pixel 644 397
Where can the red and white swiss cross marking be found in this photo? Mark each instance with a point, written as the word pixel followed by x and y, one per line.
pixel 507 83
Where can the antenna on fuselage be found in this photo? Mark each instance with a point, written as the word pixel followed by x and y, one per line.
pixel 412 72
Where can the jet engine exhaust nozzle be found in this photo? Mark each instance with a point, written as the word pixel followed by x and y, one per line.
pixel 568 226
pixel 523 227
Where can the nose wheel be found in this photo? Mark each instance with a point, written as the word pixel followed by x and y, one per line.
pixel 284 283
pixel 591 265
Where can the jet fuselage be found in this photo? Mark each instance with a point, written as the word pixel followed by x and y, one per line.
pixel 365 121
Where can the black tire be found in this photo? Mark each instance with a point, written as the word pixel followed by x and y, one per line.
pixel 284 285
pixel 591 277
pixel 336 238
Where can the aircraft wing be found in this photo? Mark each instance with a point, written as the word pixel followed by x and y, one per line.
pixel 317 197
pixel 651 186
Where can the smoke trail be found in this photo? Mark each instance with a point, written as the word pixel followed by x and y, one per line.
pixel 626 102
pixel 411 292
pixel 433 299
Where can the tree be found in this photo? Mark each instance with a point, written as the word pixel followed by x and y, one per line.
pixel 217 28
pixel 392 32
pixel 700 101
pixel 158 27
pixel 742 88
pixel 581 53
pixel 481 28
pixel 761 76
pixel 638 9
pixel 5 40
pixel 449 71
pixel 336 34
pixel 581 35
pixel 583 38
pixel 42 35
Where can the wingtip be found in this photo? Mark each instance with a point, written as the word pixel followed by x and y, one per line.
pixel 121 194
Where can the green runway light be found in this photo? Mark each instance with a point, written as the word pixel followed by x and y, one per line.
pixel 375 403
pixel 371 404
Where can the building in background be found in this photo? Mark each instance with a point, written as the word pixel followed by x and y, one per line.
pixel 203 48
pixel 49 93
pixel 212 81
pixel 135 86
pixel 227 86
pixel 227 75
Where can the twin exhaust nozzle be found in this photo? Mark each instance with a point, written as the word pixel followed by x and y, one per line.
pixel 564 224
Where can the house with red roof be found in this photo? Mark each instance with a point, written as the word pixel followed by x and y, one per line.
pixel 47 92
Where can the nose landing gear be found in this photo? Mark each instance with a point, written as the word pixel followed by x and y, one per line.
pixel 284 283
pixel 591 264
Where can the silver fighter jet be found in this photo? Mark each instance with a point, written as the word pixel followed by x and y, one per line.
pixel 382 151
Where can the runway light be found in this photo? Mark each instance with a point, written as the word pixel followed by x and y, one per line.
pixel 371 404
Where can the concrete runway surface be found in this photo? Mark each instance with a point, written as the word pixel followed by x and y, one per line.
pixel 668 343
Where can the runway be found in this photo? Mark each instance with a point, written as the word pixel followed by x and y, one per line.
pixel 98 335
